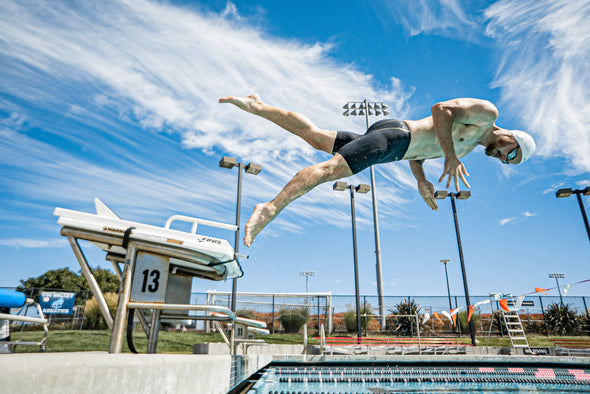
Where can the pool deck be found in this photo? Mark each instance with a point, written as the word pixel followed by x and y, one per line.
pixel 100 372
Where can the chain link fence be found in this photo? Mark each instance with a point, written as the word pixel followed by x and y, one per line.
pixel 337 313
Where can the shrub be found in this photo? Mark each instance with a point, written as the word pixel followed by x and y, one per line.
pixel 293 319
pixel 462 321
pixel 562 320
pixel 93 318
pixel 404 325
pixel 367 315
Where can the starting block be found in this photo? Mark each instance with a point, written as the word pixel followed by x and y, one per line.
pixel 159 264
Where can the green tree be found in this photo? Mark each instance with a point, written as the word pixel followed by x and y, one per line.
pixel 53 279
pixel 64 279
pixel 106 279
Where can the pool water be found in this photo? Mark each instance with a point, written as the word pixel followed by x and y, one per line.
pixel 419 379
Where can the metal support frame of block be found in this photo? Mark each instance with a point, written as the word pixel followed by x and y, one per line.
pixel 145 278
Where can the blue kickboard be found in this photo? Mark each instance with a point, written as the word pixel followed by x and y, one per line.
pixel 11 299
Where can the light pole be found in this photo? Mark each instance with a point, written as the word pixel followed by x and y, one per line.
pixel 250 168
pixel 307 274
pixel 557 277
pixel 568 192
pixel 464 195
pixel 448 288
pixel 372 108
pixel 341 186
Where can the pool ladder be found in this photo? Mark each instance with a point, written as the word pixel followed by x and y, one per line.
pixel 515 329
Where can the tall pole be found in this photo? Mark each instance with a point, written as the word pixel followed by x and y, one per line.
pixel 307 274
pixel 568 192
pixel 364 106
pixel 448 288
pixel 559 290
pixel 581 203
pixel 251 168
pixel 557 276
pixel 378 267
pixel 356 267
pixel 234 287
pixel 471 325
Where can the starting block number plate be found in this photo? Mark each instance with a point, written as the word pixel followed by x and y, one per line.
pixel 150 278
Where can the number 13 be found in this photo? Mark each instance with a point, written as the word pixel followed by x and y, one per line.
pixel 155 285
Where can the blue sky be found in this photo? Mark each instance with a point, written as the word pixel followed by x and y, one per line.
pixel 118 100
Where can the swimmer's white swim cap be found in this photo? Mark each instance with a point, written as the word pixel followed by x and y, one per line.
pixel 526 142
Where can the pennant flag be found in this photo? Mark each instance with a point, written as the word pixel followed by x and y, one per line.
pixel 437 317
pixel 519 301
pixel 566 289
pixel 471 309
pixel 540 290
pixel 447 315
pixel 454 316
pixel 481 303
pixel 457 310
pixel 504 304
pixel 426 318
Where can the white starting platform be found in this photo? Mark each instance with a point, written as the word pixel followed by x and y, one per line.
pixel 159 264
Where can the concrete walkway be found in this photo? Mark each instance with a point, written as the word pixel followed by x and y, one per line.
pixel 120 373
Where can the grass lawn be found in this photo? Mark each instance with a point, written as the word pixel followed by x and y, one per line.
pixel 99 340
pixel 182 342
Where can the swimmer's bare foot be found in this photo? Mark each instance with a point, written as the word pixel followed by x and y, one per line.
pixel 251 104
pixel 263 215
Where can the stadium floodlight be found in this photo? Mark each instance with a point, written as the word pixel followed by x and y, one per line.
pixel 250 168
pixel 561 193
pixel 341 186
pixel 373 108
pixel 464 195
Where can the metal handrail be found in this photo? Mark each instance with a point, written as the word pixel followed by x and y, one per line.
pixel 197 221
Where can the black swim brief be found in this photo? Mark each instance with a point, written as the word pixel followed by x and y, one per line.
pixel 385 141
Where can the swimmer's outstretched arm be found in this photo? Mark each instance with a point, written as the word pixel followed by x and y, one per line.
pixel 467 111
pixel 425 188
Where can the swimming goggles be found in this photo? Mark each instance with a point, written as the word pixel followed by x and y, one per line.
pixel 511 155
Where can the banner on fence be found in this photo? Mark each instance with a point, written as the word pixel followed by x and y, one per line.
pixel 57 302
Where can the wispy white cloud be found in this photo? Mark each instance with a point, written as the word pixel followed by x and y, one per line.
pixel 553 188
pixel 544 51
pixel 18 243
pixel 97 96
pixel 525 215
pixel 502 222
pixel 448 18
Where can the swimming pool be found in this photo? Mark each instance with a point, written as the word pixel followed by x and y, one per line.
pixel 382 378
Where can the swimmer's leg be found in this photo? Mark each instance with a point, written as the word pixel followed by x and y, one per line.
pixel 302 182
pixel 291 121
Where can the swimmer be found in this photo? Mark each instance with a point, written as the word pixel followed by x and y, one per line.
pixel 453 130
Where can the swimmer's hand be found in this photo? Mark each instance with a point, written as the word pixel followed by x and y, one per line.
pixel 426 190
pixel 455 170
